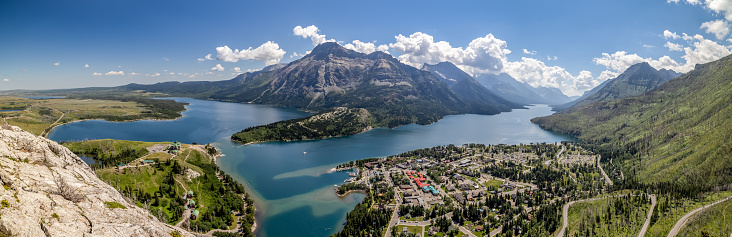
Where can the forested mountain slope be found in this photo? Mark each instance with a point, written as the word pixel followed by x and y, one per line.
pixel 680 132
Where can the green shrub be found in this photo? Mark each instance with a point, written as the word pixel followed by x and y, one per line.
pixel 5 203
pixel 115 205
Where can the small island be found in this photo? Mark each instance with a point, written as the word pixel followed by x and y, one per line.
pixel 335 122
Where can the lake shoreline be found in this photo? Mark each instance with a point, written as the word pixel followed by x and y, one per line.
pixel 256 167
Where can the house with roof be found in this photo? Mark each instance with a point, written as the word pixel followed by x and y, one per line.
pixel 174 147
pixel 195 214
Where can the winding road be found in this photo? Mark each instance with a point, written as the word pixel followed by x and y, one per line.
pixel 648 218
pixel 679 224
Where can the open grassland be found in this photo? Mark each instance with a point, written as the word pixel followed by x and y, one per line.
pixel 114 152
pixel 40 116
pixel 162 187
pixel 612 216
pixel 669 211
pixel 714 221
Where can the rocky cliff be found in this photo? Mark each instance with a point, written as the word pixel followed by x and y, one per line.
pixel 49 191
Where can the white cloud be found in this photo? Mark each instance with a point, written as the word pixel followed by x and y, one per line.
pixel 134 74
pixel 294 54
pixel 57 63
pixel 526 51
pixel 619 61
pixel 673 47
pixel 483 55
pixel 208 57
pixel 672 35
pixel 723 7
pixel 237 69
pixel 86 65
pixel 699 51
pixel 157 74
pixel 537 73
pixel 218 67
pixel 719 28
pixel 648 46
pixel 173 73
pixel 96 74
pixel 166 59
pixel 312 33
pixel 269 52
pixel 366 47
pixel 5 79
pixel 113 73
pixel 550 58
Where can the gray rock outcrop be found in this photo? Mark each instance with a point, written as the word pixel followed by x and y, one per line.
pixel 49 191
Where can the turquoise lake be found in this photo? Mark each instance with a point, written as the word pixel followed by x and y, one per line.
pixel 289 180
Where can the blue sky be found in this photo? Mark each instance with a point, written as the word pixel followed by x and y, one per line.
pixel 572 45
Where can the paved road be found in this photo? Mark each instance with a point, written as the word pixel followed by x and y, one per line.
pixel 607 179
pixel 648 218
pixel 466 231
pixel 679 224
pixel 496 231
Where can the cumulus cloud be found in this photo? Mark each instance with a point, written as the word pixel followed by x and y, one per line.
pixel 719 28
pixel 96 74
pixel 699 51
pixel 208 57
pixel 312 33
pixel 673 47
pixel 157 74
pixel 218 67
pixel 526 51
pixel 134 74
pixel 86 65
pixel 536 73
pixel 57 63
pixel 113 73
pixel 366 47
pixel 237 69
pixel 269 52
pixel 5 79
pixel 723 7
pixel 672 35
pixel 483 55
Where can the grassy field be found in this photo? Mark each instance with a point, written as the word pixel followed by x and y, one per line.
pixel 710 222
pixel 411 229
pixel 613 216
pixel 115 152
pixel 40 116
pixel 492 184
pixel 160 187
pixel 669 214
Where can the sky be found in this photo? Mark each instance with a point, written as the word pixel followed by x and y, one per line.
pixel 571 45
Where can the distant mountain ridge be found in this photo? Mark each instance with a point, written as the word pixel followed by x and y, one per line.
pixel 465 86
pixel 520 92
pixel 634 81
pixel 333 76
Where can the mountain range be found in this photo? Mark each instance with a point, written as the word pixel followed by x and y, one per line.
pixel 332 76
pixel 502 85
pixel 634 81
pixel 679 133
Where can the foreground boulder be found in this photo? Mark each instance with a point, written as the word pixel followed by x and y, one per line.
pixel 49 191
